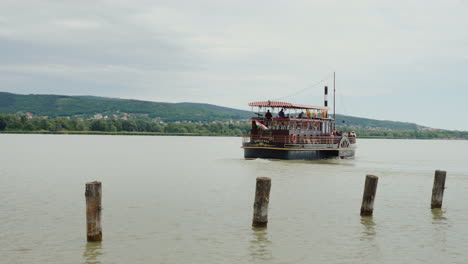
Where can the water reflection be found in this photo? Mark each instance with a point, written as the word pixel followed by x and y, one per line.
pixel 369 227
pixel 92 253
pixel 369 243
pixel 332 162
pixel 260 245
pixel 438 216
pixel 441 225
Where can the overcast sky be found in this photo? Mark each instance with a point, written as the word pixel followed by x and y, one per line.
pixel 394 60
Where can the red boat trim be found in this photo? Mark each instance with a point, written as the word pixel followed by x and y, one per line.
pixel 286 105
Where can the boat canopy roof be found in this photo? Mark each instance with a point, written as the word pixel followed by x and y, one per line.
pixel 286 105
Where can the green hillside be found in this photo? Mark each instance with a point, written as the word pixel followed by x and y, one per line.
pixel 86 107
pixel 365 123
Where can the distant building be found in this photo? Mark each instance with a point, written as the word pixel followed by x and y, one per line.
pixel 97 116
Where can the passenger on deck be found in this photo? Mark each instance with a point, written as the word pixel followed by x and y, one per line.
pixel 308 113
pixel 268 115
pixel 281 114
pixel 301 114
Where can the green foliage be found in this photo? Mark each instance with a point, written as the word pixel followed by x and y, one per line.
pixel 99 125
pixel 407 134
pixel 365 123
pixel 87 106
pixel 3 122
pixel 11 123
pixel 145 116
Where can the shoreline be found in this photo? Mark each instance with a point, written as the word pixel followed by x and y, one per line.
pixel 104 133
pixel 121 133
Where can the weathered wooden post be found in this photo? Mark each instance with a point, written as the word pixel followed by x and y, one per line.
pixel 262 197
pixel 370 188
pixel 93 211
pixel 438 189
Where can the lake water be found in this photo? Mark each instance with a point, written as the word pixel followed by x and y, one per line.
pixel 189 200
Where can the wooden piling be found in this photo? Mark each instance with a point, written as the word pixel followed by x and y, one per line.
pixel 370 188
pixel 438 189
pixel 262 197
pixel 93 211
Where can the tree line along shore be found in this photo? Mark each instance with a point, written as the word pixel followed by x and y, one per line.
pixel 10 123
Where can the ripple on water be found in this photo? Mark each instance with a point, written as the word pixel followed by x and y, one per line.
pixel 186 203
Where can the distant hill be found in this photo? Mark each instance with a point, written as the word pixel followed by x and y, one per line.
pixel 365 123
pixel 87 106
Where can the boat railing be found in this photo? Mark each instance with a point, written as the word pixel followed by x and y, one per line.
pixel 264 120
pixel 294 139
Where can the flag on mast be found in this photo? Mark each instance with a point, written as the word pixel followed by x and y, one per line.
pixel 260 125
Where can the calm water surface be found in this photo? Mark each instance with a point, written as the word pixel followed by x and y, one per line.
pixel 189 200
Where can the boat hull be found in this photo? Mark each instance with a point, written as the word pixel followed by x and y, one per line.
pixel 300 154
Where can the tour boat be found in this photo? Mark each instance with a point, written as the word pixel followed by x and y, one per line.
pixel 305 133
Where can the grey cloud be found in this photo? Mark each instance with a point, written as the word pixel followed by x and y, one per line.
pixel 231 52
